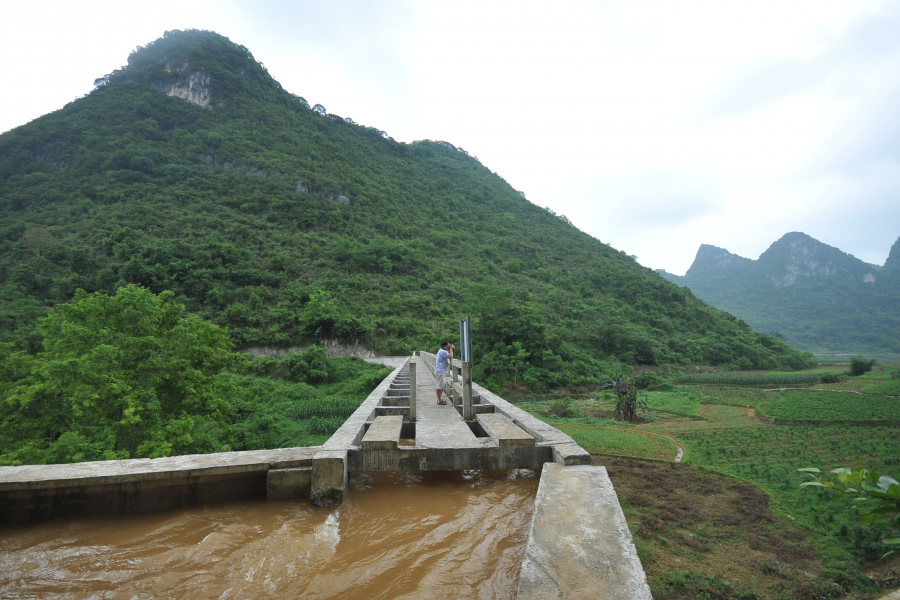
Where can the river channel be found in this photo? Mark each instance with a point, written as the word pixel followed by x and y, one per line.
pixel 418 535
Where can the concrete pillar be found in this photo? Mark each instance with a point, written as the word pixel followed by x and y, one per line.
pixel 329 478
pixel 467 390
pixel 412 388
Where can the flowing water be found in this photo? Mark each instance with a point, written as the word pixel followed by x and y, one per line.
pixel 422 535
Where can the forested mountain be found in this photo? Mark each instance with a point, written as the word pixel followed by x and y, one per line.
pixel 192 170
pixel 817 297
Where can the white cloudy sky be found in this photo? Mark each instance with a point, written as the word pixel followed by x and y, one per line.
pixel 654 126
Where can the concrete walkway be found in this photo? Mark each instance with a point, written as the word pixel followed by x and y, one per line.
pixel 438 426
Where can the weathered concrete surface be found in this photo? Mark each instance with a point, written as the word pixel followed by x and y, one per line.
pixel 41 492
pixel 141 470
pixel 545 434
pixel 579 545
pixel 570 454
pixel 481 456
pixel 288 484
pixel 330 476
pixel 502 431
pixel 383 434
pixel 438 426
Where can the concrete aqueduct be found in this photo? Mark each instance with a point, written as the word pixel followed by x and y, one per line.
pixel 579 545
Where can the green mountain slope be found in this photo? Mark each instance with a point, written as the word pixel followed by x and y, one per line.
pixel 192 170
pixel 819 298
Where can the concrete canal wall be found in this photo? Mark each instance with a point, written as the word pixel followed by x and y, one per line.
pixel 40 492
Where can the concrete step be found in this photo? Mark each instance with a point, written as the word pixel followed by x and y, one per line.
pixel 383 433
pixel 503 431
pixel 398 392
pixel 395 401
pixel 381 411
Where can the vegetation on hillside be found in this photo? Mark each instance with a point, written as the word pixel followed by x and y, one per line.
pixel 289 225
pixel 812 295
pixel 132 375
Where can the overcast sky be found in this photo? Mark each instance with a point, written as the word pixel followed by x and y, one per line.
pixel 653 126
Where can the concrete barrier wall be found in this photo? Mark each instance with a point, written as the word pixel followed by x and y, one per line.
pixel 579 545
pixel 40 492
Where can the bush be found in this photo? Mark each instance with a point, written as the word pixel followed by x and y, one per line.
pixel 860 366
pixel 832 377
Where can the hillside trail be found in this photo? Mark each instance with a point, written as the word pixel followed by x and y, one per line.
pixel 716 416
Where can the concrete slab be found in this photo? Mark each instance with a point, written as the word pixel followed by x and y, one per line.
pixel 503 431
pixel 570 454
pixel 143 470
pixel 579 545
pixel 383 434
pixel 543 432
pixel 438 426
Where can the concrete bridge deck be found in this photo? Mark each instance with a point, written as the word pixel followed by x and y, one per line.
pixel 438 426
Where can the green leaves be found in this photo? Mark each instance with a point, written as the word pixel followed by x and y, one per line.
pixel 117 371
pixel 877 495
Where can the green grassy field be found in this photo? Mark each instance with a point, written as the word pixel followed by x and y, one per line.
pixel 807 405
pixel 618 440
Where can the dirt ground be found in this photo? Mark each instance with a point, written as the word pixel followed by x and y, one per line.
pixel 703 535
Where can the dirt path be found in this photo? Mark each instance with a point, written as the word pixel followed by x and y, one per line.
pixel 679 454
pixel 713 419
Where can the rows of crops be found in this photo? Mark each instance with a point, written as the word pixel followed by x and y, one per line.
pixel 808 405
pixel 744 378
pixel 771 455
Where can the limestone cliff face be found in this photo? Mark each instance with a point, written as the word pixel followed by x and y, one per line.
pixel 798 255
pixel 193 85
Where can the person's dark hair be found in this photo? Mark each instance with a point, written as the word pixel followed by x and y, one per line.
pixel 445 343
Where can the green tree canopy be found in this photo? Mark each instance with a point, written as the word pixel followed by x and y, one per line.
pixel 129 375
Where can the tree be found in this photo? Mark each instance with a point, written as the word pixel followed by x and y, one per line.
pixel 860 366
pixel 120 376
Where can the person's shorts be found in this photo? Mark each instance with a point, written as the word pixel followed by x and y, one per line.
pixel 440 381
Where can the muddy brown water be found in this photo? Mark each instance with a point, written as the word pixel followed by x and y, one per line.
pixel 423 535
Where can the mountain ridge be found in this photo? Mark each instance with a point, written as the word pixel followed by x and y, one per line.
pixel 815 295
pixel 192 170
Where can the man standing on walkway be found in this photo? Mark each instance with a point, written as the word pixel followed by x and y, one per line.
pixel 442 368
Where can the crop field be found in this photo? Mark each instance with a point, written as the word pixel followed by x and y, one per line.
pixel 806 405
pixel 771 455
pixel 678 402
pixel 729 395
pixel 722 428
pixel 753 379
pixel 890 387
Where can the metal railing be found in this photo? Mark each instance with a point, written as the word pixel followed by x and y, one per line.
pixel 459 385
